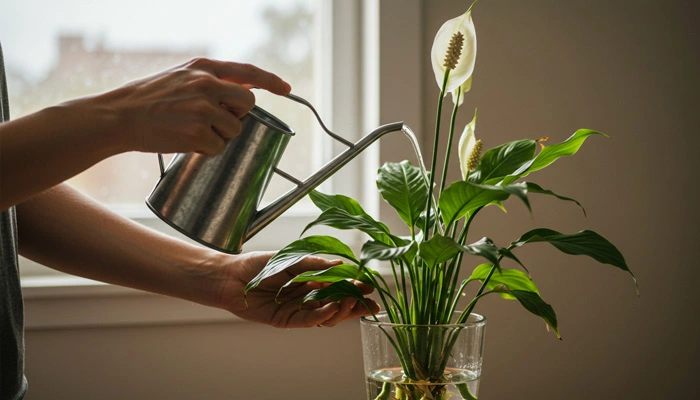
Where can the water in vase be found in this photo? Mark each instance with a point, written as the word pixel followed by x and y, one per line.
pixel 391 384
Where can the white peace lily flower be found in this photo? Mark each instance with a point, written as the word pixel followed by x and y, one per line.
pixel 465 66
pixel 466 86
pixel 469 148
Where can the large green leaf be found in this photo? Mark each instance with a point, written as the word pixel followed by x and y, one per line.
pixel 514 279
pixel 403 186
pixel 535 188
pixel 503 160
pixel 551 153
pixel 373 250
pixel 296 251
pixel 440 249
pixel 486 249
pixel 533 303
pixel 335 291
pixel 585 242
pixel 332 274
pixel 463 197
pixel 325 201
pixel 342 219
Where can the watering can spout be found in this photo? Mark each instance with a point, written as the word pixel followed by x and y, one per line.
pixel 268 214
pixel 214 199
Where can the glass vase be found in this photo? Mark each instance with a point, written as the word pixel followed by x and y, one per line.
pixel 414 362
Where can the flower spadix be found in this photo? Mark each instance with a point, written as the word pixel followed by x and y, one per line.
pixel 469 148
pixel 462 69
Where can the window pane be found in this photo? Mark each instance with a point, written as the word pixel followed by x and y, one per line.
pixel 72 48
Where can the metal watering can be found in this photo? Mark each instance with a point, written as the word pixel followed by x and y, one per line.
pixel 214 199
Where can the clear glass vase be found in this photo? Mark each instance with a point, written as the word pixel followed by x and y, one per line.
pixel 415 362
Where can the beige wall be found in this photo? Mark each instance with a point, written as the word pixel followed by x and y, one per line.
pixel 544 68
pixel 629 69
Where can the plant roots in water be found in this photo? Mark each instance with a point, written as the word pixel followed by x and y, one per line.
pixel 391 384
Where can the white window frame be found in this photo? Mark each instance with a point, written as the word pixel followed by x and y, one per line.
pixel 360 29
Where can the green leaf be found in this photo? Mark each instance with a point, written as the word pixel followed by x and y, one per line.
pixel 404 187
pixel 296 251
pixel 374 250
pixel 509 254
pixel 431 222
pixel 503 160
pixel 535 188
pixel 325 201
pixel 517 189
pixel 440 249
pixel 551 153
pixel 585 242
pixel 332 274
pixel 335 291
pixel 341 219
pixel 486 249
pixel 533 303
pixel 514 279
pixel 463 197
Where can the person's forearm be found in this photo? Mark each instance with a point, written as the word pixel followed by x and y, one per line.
pixel 193 107
pixel 52 145
pixel 67 231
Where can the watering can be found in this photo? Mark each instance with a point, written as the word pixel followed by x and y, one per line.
pixel 214 200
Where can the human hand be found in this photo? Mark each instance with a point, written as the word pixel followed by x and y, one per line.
pixel 196 106
pixel 286 311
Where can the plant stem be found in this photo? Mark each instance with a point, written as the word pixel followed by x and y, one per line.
pixel 449 144
pixel 386 391
pixel 434 160
pixel 446 161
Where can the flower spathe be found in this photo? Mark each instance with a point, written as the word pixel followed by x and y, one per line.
pixel 465 67
pixel 460 91
pixel 469 148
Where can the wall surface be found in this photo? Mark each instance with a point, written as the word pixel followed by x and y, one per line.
pixel 629 69
pixel 544 68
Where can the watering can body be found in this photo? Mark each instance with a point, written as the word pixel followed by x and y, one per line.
pixel 214 199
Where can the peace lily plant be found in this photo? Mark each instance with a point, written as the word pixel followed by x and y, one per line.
pixel 426 266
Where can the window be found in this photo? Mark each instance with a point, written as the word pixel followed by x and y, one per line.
pixel 355 43
pixel 73 48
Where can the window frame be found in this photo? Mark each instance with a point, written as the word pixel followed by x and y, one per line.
pixel 366 40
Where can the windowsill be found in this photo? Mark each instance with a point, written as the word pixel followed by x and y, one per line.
pixel 56 302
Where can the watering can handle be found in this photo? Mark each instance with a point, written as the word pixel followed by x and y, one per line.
pixel 161 164
pixel 299 100
pixel 318 117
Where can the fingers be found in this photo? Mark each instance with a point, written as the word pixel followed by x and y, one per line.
pixel 351 308
pixel 364 288
pixel 346 306
pixel 225 87
pixel 313 317
pixel 312 263
pixel 248 74
pixel 243 74
pixel 226 124
pixel 235 98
